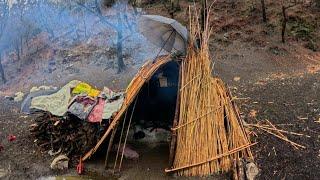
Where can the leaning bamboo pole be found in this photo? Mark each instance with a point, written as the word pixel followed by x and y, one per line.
pixel 210 135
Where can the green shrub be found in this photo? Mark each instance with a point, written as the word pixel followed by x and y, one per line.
pixel 300 28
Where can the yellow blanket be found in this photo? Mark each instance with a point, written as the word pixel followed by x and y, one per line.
pixel 84 88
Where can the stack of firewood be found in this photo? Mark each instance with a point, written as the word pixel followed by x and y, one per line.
pixel 68 135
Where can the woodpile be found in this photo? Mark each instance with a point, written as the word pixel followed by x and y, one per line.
pixel 67 135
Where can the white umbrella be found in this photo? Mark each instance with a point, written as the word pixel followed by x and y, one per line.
pixel 164 32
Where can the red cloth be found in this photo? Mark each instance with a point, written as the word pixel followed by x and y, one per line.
pixel 12 138
pixel 96 113
pixel 80 167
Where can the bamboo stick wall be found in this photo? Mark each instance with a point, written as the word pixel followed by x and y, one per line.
pixel 210 135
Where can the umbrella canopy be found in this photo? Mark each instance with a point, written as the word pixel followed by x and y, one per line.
pixel 164 32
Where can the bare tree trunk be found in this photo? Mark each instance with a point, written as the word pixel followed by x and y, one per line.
pixel 171 10
pixel 121 65
pixel 233 3
pixel 18 52
pixel 317 3
pixel 4 80
pixel 263 7
pixel 108 3
pixel 21 47
pixel 175 4
pixel 135 3
pixel 203 14
pixel 85 29
pixel 173 7
pixel 285 18
pixel 284 24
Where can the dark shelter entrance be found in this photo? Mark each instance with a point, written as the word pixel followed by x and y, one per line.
pixel 149 119
pixel 157 99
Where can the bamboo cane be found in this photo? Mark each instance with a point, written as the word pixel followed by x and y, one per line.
pixel 121 134
pixel 212 159
pixel 125 140
pixel 110 146
pixel 175 122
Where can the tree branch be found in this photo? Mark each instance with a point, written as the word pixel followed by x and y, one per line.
pixel 98 7
pixel 291 5
pixel 102 18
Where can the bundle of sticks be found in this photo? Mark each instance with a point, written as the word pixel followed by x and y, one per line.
pixel 210 134
pixel 271 129
pixel 67 135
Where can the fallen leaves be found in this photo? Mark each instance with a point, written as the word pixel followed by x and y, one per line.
pixel 317 121
pixel 253 113
pixel 303 118
pixel 237 78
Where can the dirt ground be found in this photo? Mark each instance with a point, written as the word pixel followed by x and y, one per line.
pixel 273 81
pixel 293 105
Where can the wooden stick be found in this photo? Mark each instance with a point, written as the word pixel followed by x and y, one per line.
pixel 285 139
pixel 212 159
pixel 280 135
pixel 276 129
pixel 280 130
pixel 125 140
pixel 110 146
pixel 122 129
pixel 190 82
pixel 182 125
pixel 175 123
pixel 237 112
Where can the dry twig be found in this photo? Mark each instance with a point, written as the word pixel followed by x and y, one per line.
pixel 273 130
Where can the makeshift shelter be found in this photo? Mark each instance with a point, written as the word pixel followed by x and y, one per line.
pixel 207 132
pixel 136 89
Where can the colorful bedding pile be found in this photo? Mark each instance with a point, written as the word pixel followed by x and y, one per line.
pixel 77 98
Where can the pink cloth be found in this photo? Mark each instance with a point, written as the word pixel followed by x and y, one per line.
pixel 128 152
pixel 97 111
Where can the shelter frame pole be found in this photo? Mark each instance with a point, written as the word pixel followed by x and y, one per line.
pixel 163 46
pixel 116 160
pixel 125 140
pixel 110 146
pixel 175 122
